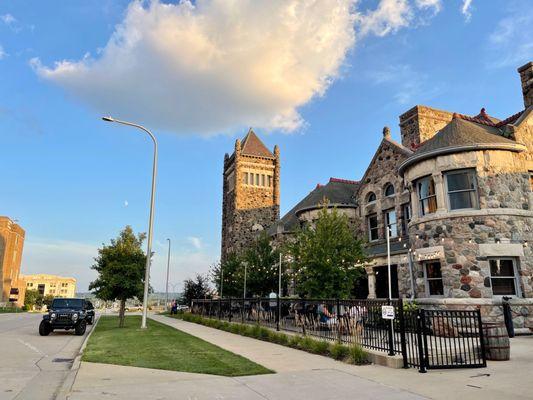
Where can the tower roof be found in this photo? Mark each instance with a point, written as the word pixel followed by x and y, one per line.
pixel 253 146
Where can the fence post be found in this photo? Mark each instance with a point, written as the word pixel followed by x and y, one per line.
pixel 401 316
pixel 230 311
pixel 219 307
pixel 421 358
pixel 391 336
pixel 304 317
pixel 278 314
pixel 339 326
pixel 481 338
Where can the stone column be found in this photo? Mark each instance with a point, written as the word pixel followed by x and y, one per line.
pixel 371 283
pixel 439 191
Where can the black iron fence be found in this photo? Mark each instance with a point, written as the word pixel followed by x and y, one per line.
pixel 424 338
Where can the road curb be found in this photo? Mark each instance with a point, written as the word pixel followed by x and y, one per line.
pixel 64 391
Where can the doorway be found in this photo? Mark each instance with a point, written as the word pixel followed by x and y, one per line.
pixel 382 281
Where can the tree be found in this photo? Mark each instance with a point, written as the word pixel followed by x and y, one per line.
pixel 262 262
pixel 31 297
pixel 197 288
pixel 324 257
pixel 232 274
pixel 121 268
pixel 47 300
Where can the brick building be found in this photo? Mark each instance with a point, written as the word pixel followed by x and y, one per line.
pixel 11 245
pixel 54 285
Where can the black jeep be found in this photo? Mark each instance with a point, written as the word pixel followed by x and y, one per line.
pixel 67 314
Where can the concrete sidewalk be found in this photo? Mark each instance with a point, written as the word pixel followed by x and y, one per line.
pixel 302 375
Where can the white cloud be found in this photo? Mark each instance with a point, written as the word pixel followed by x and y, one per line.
pixel 511 43
pixel 8 19
pixel 388 17
pixel 216 65
pixel 60 257
pixel 196 242
pixel 213 66
pixel 466 9
pixel 409 86
pixel 3 54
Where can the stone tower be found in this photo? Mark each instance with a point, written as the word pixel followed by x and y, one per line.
pixel 250 195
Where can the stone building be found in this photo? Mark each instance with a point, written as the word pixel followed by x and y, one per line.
pixel 53 285
pixel 11 245
pixel 250 201
pixel 457 197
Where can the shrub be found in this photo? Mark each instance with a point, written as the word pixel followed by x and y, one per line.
pixel 306 344
pixel 243 329
pixel 320 347
pixel 294 341
pixel 339 351
pixel 234 328
pixel 264 333
pixel 256 332
pixel 357 355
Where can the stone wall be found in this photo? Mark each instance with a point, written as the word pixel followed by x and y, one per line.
pixel 421 123
pixel 491 310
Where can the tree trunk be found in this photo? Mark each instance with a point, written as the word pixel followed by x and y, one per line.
pixel 121 313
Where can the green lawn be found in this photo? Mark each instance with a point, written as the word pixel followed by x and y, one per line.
pixel 162 347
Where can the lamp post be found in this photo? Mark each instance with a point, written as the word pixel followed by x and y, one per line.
pixel 391 331
pixel 151 220
pixel 244 294
pixel 168 272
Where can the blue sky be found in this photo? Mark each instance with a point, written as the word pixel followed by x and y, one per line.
pixel 74 181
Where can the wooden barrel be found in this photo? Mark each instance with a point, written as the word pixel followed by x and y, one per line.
pixel 496 341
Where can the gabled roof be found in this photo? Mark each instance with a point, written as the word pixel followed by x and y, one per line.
pixel 338 192
pixel 386 141
pixel 253 146
pixel 462 134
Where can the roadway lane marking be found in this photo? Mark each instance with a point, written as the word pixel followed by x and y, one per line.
pixel 32 347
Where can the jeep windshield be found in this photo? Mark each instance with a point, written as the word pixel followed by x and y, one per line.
pixel 67 303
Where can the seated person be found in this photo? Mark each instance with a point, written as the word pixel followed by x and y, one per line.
pixel 325 316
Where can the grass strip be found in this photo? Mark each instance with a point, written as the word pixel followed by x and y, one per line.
pixel 162 347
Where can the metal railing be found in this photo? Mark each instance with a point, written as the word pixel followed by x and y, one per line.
pixel 424 338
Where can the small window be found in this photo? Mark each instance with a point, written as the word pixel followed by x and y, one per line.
pixel 269 181
pixel 461 186
pixel 256 179
pixel 389 190
pixel 371 197
pixel 426 195
pixel 433 273
pixel 390 218
pixel 263 180
pixel 503 276
pixel 373 232
pixel 245 178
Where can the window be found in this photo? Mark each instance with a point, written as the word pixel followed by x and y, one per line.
pixel 256 179
pixel 426 195
pixel 503 277
pixel 263 180
pixel 531 180
pixel 269 181
pixel 461 187
pixel 389 190
pixel 433 276
pixel 406 211
pixel 64 284
pixel 373 233
pixel 245 179
pixel 390 218
pixel 371 197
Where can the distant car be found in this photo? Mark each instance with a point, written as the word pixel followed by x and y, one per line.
pixel 134 308
pixel 67 314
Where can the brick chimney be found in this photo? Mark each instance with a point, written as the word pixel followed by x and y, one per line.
pixel 526 77
pixel 421 123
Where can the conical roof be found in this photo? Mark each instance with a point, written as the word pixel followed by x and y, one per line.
pixel 253 146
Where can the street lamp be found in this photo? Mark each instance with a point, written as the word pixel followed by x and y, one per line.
pixel 168 272
pixel 151 220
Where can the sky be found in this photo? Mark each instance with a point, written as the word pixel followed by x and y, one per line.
pixel 319 78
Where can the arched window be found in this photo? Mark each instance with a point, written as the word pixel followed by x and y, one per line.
pixel 389 190
pixel 371 197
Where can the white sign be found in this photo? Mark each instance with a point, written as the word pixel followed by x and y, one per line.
pixel 387 312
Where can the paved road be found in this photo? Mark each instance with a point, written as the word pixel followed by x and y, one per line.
pixel 31 366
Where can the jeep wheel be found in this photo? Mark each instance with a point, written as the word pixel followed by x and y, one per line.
pixel 44 329
pixel 80 328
